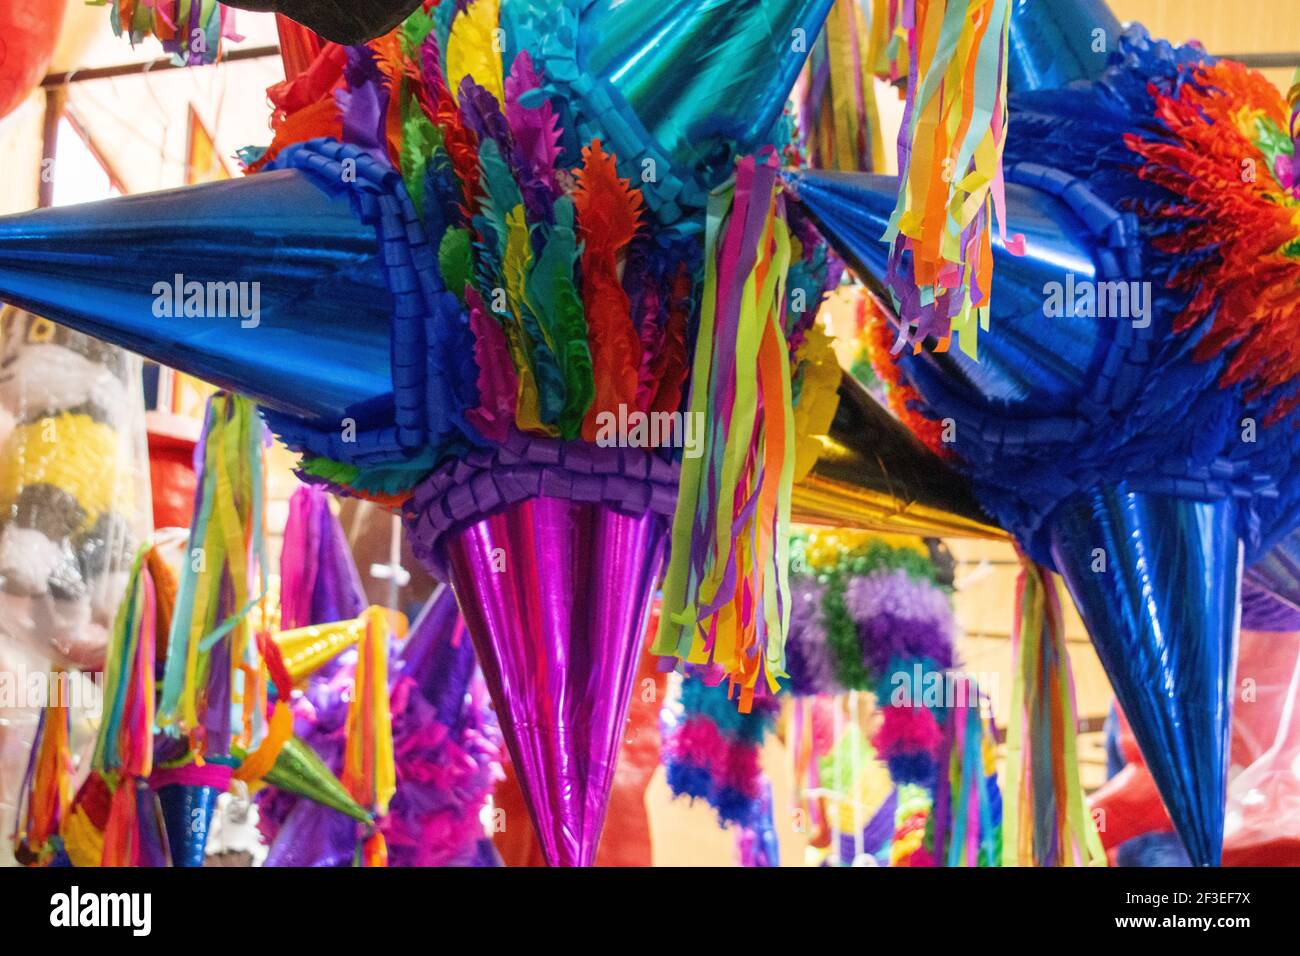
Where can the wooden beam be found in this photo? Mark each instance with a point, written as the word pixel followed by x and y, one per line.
pixel 152 66
pixel 55 100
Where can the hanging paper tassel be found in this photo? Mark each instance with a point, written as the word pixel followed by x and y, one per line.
pixel 123 754
pixel 46 790
pixel 1047 822
pixel 724 595
pixel 967 828
pixel 83 828
pixel 369 770
pixel 212 660
pixel 949 164
pixel 887 48
pixel 839 115
pixel 190 30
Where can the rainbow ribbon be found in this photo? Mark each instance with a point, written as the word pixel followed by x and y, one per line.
pixel 124 747
pixel 212 660
pixel 1046 822
pixel 724 594
pixel 950 170
pixel 369 768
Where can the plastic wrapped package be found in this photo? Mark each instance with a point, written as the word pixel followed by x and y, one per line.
pixel 1262 815
pixel 74 486
pixel 1262 822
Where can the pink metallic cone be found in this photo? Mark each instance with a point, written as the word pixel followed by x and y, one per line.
pixel 554 550
pixel 556 594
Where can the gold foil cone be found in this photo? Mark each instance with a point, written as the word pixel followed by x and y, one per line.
pixel 306 650
pixel 875 475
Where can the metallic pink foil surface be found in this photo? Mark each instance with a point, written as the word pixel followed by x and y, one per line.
pixel 556 596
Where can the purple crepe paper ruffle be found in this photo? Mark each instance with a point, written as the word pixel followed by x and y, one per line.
pixel 808 657
pixel 487 481
pixel 444 775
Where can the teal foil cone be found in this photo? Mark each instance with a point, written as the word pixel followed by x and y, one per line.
pixel 700 74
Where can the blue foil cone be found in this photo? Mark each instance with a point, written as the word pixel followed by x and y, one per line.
pixel 295 310
pixel 1056 42
pixel 852 210
pixel 1157 581
pixel 187 815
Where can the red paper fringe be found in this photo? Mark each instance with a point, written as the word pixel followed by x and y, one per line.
pixel 1238 210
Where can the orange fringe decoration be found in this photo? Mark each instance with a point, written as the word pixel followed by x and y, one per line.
pixel 1234 206
pixel 609 214
pixel 903 399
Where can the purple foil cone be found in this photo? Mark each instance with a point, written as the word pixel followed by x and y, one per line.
pixel 556 595
pixel 319 582
pixel 150 832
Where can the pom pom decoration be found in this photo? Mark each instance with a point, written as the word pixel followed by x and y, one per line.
pixel 71 473
pixel 872 617
pixel 870 613
pixel 711 751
